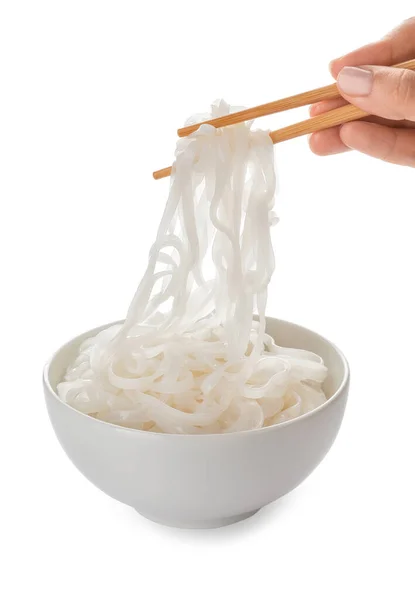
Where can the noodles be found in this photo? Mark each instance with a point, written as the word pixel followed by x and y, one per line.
pixel 189 357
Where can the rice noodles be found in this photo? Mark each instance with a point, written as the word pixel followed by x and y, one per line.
pixel 190 357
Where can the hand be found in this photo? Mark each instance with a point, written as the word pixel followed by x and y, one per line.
pixel 387 93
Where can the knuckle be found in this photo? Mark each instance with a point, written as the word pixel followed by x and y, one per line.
pixel 411 158
pixel 390 149
pixel 405 27
pixel 404 93
pixel 398 153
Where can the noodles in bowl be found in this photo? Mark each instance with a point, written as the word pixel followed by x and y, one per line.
pixel 190 357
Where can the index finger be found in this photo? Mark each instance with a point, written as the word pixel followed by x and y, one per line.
pixel 396 47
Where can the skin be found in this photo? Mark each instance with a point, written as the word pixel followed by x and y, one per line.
pixel 390 134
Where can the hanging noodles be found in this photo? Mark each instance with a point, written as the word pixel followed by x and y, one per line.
pixel 189 357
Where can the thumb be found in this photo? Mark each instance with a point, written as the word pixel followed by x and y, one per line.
pixel 383 91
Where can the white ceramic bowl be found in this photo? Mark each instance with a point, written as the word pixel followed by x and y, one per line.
pixel 201 481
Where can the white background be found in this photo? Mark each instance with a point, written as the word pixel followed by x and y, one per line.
pixel 91 93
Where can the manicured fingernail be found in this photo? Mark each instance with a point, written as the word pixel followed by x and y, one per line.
pixel 355 81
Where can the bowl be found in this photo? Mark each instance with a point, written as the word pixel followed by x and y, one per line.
pixel 209 480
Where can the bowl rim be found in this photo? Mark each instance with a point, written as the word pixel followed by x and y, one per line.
pixel 225 435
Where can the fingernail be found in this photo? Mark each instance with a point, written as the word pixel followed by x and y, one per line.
pixel 355 81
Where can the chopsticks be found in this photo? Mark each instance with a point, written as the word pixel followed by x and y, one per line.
pixel 338 116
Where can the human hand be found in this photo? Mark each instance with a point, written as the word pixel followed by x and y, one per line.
pixel 386 93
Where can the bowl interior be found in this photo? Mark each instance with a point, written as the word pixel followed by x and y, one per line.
pixel 290 335
pixel 284 333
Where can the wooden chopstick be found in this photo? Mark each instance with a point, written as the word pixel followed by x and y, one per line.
pixel 304 99
pixel 338 116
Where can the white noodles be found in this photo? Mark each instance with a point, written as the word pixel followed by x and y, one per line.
pixel 189 357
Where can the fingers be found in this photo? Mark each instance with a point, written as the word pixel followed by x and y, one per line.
pixel 396 47
pixel 326 105
pixel 382 91
pixel 324 143
pixel 378 53
pixel 329 141
pixel 388 94
pixel 392 145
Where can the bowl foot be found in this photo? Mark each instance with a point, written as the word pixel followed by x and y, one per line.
pixel 208 524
